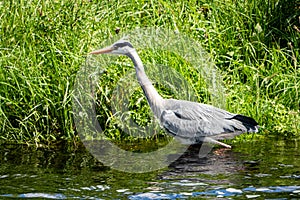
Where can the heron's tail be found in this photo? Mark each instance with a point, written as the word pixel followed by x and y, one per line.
pixel 249 123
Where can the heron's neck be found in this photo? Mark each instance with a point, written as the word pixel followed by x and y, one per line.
pixel 153 98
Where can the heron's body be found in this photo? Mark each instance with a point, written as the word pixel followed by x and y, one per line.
pixel 191 122
pixel 202 119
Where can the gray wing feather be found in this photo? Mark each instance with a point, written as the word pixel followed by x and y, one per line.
pixel 194 120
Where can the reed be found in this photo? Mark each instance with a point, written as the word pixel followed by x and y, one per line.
pixel 254 43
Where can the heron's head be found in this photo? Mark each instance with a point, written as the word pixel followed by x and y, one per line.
pixel 121 47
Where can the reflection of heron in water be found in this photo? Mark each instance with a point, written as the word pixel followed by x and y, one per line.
pixel 188 121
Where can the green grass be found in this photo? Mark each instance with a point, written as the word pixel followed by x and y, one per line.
pixel 254 43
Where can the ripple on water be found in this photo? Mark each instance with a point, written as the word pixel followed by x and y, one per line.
pixel 228 192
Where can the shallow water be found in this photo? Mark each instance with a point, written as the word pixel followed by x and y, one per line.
pixel 266 169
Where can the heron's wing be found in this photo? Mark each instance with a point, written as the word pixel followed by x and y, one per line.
pixel 179 125
pixel 194 120
pixel 192 131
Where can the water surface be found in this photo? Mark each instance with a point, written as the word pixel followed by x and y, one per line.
pixel 265 169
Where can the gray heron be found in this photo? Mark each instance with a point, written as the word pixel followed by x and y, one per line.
pixel 190 122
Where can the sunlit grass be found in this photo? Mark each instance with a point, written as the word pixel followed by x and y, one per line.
pixel 255 44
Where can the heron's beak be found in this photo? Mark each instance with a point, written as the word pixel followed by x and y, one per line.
pixel 102 51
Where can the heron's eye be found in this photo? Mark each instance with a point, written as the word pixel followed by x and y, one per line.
pixel 115 47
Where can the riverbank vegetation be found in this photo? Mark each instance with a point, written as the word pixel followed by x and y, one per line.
pixel 254 44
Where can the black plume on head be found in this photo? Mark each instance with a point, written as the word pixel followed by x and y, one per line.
pixel 123 42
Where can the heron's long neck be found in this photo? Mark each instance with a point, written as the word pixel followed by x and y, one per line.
pixel 153 98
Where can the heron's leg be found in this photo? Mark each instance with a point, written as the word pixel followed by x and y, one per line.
pixel 209 139
pixel 205 149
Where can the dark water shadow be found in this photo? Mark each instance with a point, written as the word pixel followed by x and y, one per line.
pixel 216 161
pixel 218 164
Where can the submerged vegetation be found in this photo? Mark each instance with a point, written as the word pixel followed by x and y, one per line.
pixel 254 43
